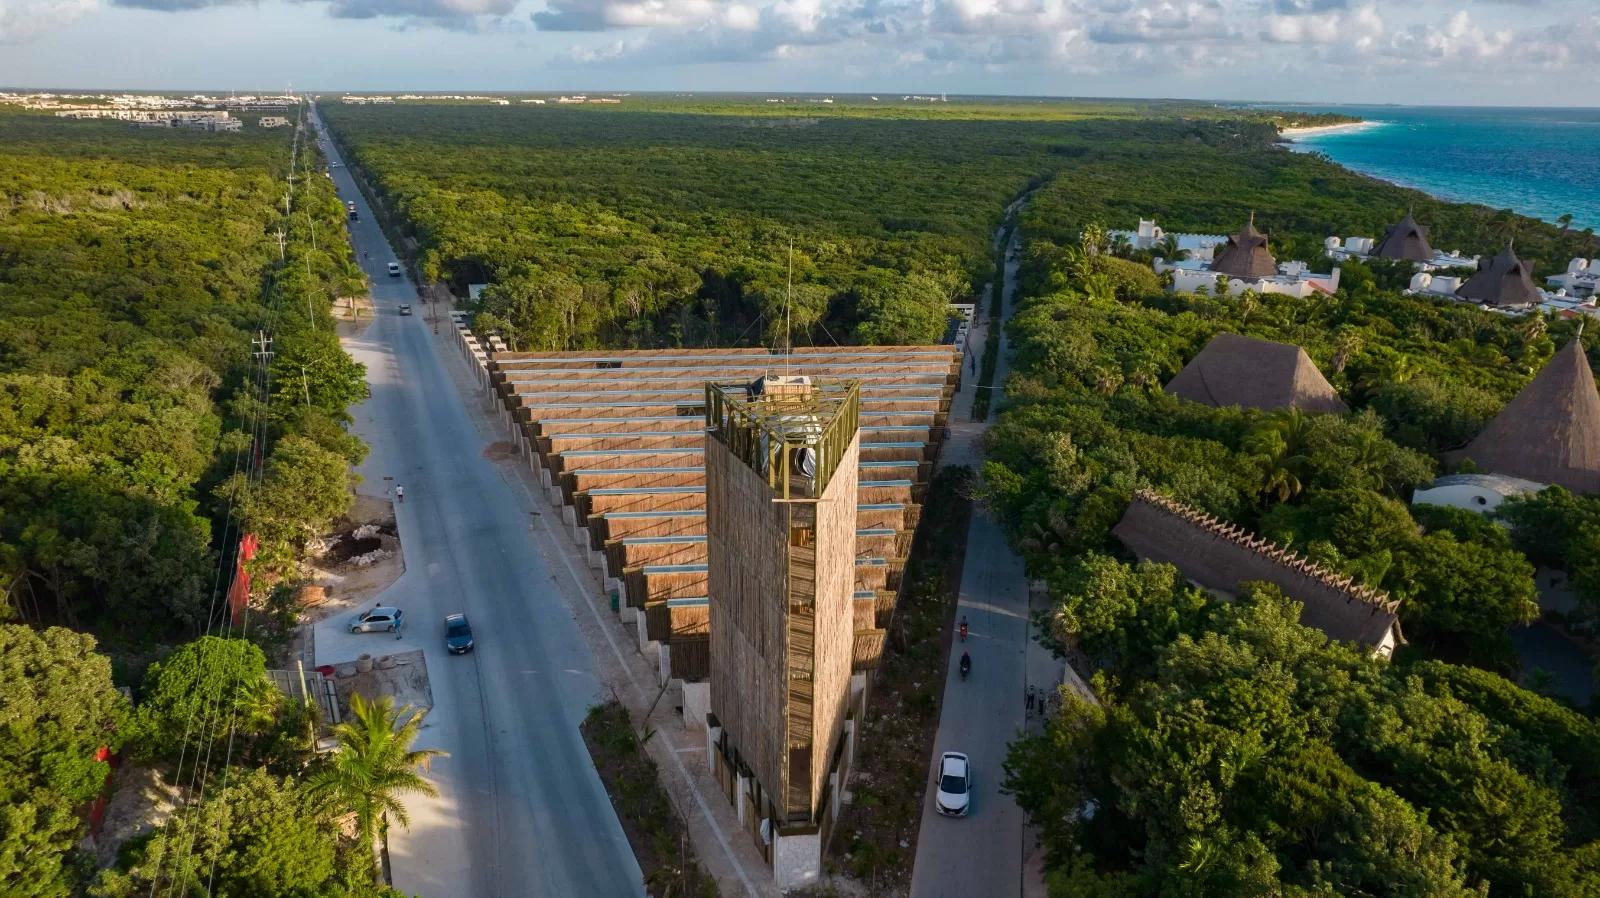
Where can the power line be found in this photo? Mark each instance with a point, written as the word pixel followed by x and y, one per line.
pixel 260 378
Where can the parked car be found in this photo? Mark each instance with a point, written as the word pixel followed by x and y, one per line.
pixel 405 308
pixel 457 634
pixel 394 269
pixel 955 785
pixel 376 619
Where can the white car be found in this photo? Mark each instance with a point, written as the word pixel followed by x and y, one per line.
pixel 394 269
pixel 379 618
pixel 955 785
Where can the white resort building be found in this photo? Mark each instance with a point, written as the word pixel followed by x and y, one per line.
pixel 1246 262
pixel 1149 236
pixel 1503 283
pixel 1580 280
pixel 1406 241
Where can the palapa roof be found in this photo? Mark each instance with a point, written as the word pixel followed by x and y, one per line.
pixel 1246 255
pixel 1252 373
pixel 1406 240
pixel 1550 433
pixel 1502 281
pixel 1218 555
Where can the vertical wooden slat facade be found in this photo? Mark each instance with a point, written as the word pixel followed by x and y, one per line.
pixel 747 537
pixel 781 591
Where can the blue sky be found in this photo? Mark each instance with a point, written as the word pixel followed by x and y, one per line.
pixel 1490 52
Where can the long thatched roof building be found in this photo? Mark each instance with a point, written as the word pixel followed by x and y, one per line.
pixel 1550 433
pixel 1246 255
pixel 1406 240
pixel 1504 281
pixel 1252 373
pixel 1220 556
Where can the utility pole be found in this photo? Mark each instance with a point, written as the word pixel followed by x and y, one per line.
pixel 309 314
pixel 307 384
pixel 313 222
pixel 263 345
pixel 280 245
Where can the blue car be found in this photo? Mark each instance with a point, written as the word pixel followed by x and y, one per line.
pixel 457 634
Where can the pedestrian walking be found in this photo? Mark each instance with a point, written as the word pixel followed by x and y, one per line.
pixel 1030 699
pixel 972 363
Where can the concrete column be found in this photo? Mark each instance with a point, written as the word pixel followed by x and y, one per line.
pixel 796 860
pixel 713 734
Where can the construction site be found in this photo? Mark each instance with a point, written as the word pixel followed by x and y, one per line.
pixel 751 513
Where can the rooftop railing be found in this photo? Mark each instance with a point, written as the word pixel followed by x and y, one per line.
pixel 793 431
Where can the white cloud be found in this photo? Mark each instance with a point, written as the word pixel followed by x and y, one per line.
pixel 22 21
pixel 1357 26
pixel 1456 39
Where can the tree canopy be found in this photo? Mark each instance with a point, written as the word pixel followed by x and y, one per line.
pixel 58 710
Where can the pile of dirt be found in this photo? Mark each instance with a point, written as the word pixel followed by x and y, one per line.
pixel 139 803
pixel 346 547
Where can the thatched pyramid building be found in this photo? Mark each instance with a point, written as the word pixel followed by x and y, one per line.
pixel 1252 373
pixel 1219 556
pixel 1246 255
pixel 1502 282
pixel 1406 240
pixel 1550 433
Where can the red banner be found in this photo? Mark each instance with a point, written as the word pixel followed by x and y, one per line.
pixel 239 592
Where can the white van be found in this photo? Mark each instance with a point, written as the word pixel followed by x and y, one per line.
pixel 394 269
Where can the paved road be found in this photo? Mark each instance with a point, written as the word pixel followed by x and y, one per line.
pixel 522 811
pixel 981 854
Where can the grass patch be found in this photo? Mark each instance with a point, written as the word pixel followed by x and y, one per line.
pixel 877 830
pixel 659 836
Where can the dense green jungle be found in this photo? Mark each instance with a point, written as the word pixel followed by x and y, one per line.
pixel 1230 752
pixel 140 436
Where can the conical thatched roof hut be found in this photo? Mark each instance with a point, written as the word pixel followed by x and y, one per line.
pixel 1550 433
pixel 1504 281
pixel 1244 371
pixel 1406 240
pixel 1246 255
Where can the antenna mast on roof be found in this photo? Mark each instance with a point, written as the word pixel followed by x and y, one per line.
pixel 788 302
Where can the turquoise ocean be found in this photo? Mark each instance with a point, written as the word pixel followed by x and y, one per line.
pixel 1539 162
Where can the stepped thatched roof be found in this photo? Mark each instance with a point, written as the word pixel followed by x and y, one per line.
pixel 1504 281
pixel 1251 373
pixel 1406 240
pixel 1246 255
pixel 1218 555
pixel 1550 433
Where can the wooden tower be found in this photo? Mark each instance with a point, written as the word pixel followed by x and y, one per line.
pixel 781 457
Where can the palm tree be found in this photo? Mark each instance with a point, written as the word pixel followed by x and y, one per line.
pixel 375 765
pixel 1106 380
pixel 1347 345
pixel 1169 249
pixel 1280 464
pixel 1506 225
pixel 1396 369
pixel 1566 223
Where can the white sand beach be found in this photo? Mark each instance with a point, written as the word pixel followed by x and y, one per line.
pixel 1297 133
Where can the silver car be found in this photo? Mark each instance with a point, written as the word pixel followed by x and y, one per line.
pixel 375 620
pixel 954 797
